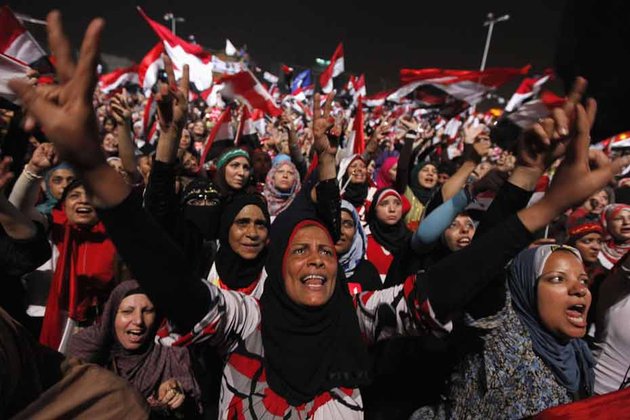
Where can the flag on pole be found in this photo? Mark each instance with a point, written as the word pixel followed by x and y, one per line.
pixel 10 68
pixel 302 80
pixel 250 91
pixel 230 49
pixel 181 52
pixel 149 66
pixel 221 136
pixel 530 112
pixel 247 133
pixel 529 87
pixel 17 42
pixel 334 69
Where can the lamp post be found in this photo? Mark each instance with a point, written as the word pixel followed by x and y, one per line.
pixel 490 24
pixel 174 19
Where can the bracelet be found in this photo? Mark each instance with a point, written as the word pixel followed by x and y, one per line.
pixel 31 176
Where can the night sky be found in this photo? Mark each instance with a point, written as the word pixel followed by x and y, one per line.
pixel 378 39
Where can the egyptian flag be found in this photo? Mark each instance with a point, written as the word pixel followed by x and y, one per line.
pixel 530 112
pixel 246 134
pixel 359 86
pixel 118 78
pixel 250 91
pixel 149 67
pixel 334 69
pixel 181 52
pixel 17 42
pixel 220 138
pixel 356 139
pixel 10 68
pixel 529 87
pixel 469 86
pixel 378 99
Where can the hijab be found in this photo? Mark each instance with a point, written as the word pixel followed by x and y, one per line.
pixel 355 193
pixel 383 179
pixel 278 200
pixel 219 176
pixel 145 368
pixel 235 271
pixel 570 362
pixel 204 217
pixel 356 253
pixel 422 193
pixel 308 350
pixel 47 206
pixel 612 250
pixel 394 238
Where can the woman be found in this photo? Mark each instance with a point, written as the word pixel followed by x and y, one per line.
pixel 386 175
pixel 361 275
pixel 233 170
pixel 243 237
pixel 84 270
pixel 615 219
pixel 533 356
pixel 585 233
pixel 388 236
pixel 423 183
pixel 123 342
pixel 281 186
pixel 356 187
pixel 56 180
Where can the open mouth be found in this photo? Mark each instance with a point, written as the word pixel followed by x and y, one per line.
pixel 135 336
pixel 84 210
pixel 314 282
pixel 463 241
pixel 577 315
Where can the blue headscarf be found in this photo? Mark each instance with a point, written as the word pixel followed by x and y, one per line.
pixel 47 206
pixel 571 362
pixel 356 253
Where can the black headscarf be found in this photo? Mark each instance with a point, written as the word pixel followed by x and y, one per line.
pixel 308 350
pixel 422 193
pixel 235 271
pixel 395 238
pixel 205 217
pixel 355 193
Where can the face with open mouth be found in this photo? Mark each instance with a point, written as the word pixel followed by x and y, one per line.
pixel 134 321
pixel 248 233
pixel 310 267
pixel 563 296
pixel 428 176
pixel 79 209
pixel 619 226
pixel 459 234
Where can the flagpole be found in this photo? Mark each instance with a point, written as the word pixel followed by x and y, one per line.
pixel 490 24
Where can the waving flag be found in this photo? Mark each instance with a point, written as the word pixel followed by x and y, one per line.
pixel 247 135
pixel 182 52
pixel 10 68
pixel 149 66
pixel 529 87
pixel 220 138
pixel 17 42
pixel 334 69
pixel 530 112
pixel 466 85
pixel 302 80
pixel 120 77
pixel 249 90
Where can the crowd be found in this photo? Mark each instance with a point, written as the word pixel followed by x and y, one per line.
pixel 293 274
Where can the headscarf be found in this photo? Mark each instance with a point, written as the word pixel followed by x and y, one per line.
pixel 47 206
pixel 219 176
pixel 356 253
pixel 422 193
pixel 394 238
pixel 383 180
pixel 308 350
pixel 612 251
pixel 204 218
pixel 581 223
pixel 235 271
pixel 278 200
pixel 571 362
pixel 145 368
pixel 352 192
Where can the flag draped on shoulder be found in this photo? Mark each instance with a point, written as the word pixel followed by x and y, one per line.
pixel 250 91
pixel 181 52
pixel 334 69
pixel 118 78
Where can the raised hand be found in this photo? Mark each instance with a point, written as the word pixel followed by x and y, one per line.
pixel 44 157
pixel 322 122
pixel 172 98
pixel 120 109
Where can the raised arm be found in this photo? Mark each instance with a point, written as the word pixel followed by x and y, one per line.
pixel 294 148
pixel 126 148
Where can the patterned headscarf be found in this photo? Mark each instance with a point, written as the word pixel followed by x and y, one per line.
pixel 278 200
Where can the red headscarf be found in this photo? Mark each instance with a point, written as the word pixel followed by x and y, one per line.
pixel 383 179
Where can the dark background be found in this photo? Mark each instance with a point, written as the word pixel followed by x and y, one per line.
pixel 585 37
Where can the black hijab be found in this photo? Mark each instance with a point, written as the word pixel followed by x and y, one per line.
pixel 204 218
pixel 235 271
pixel 308 350
pixel 395 238
pixel 422 193
pixel 355 193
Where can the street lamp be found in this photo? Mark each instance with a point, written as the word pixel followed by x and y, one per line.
pixel 174 19
pixel 490 24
